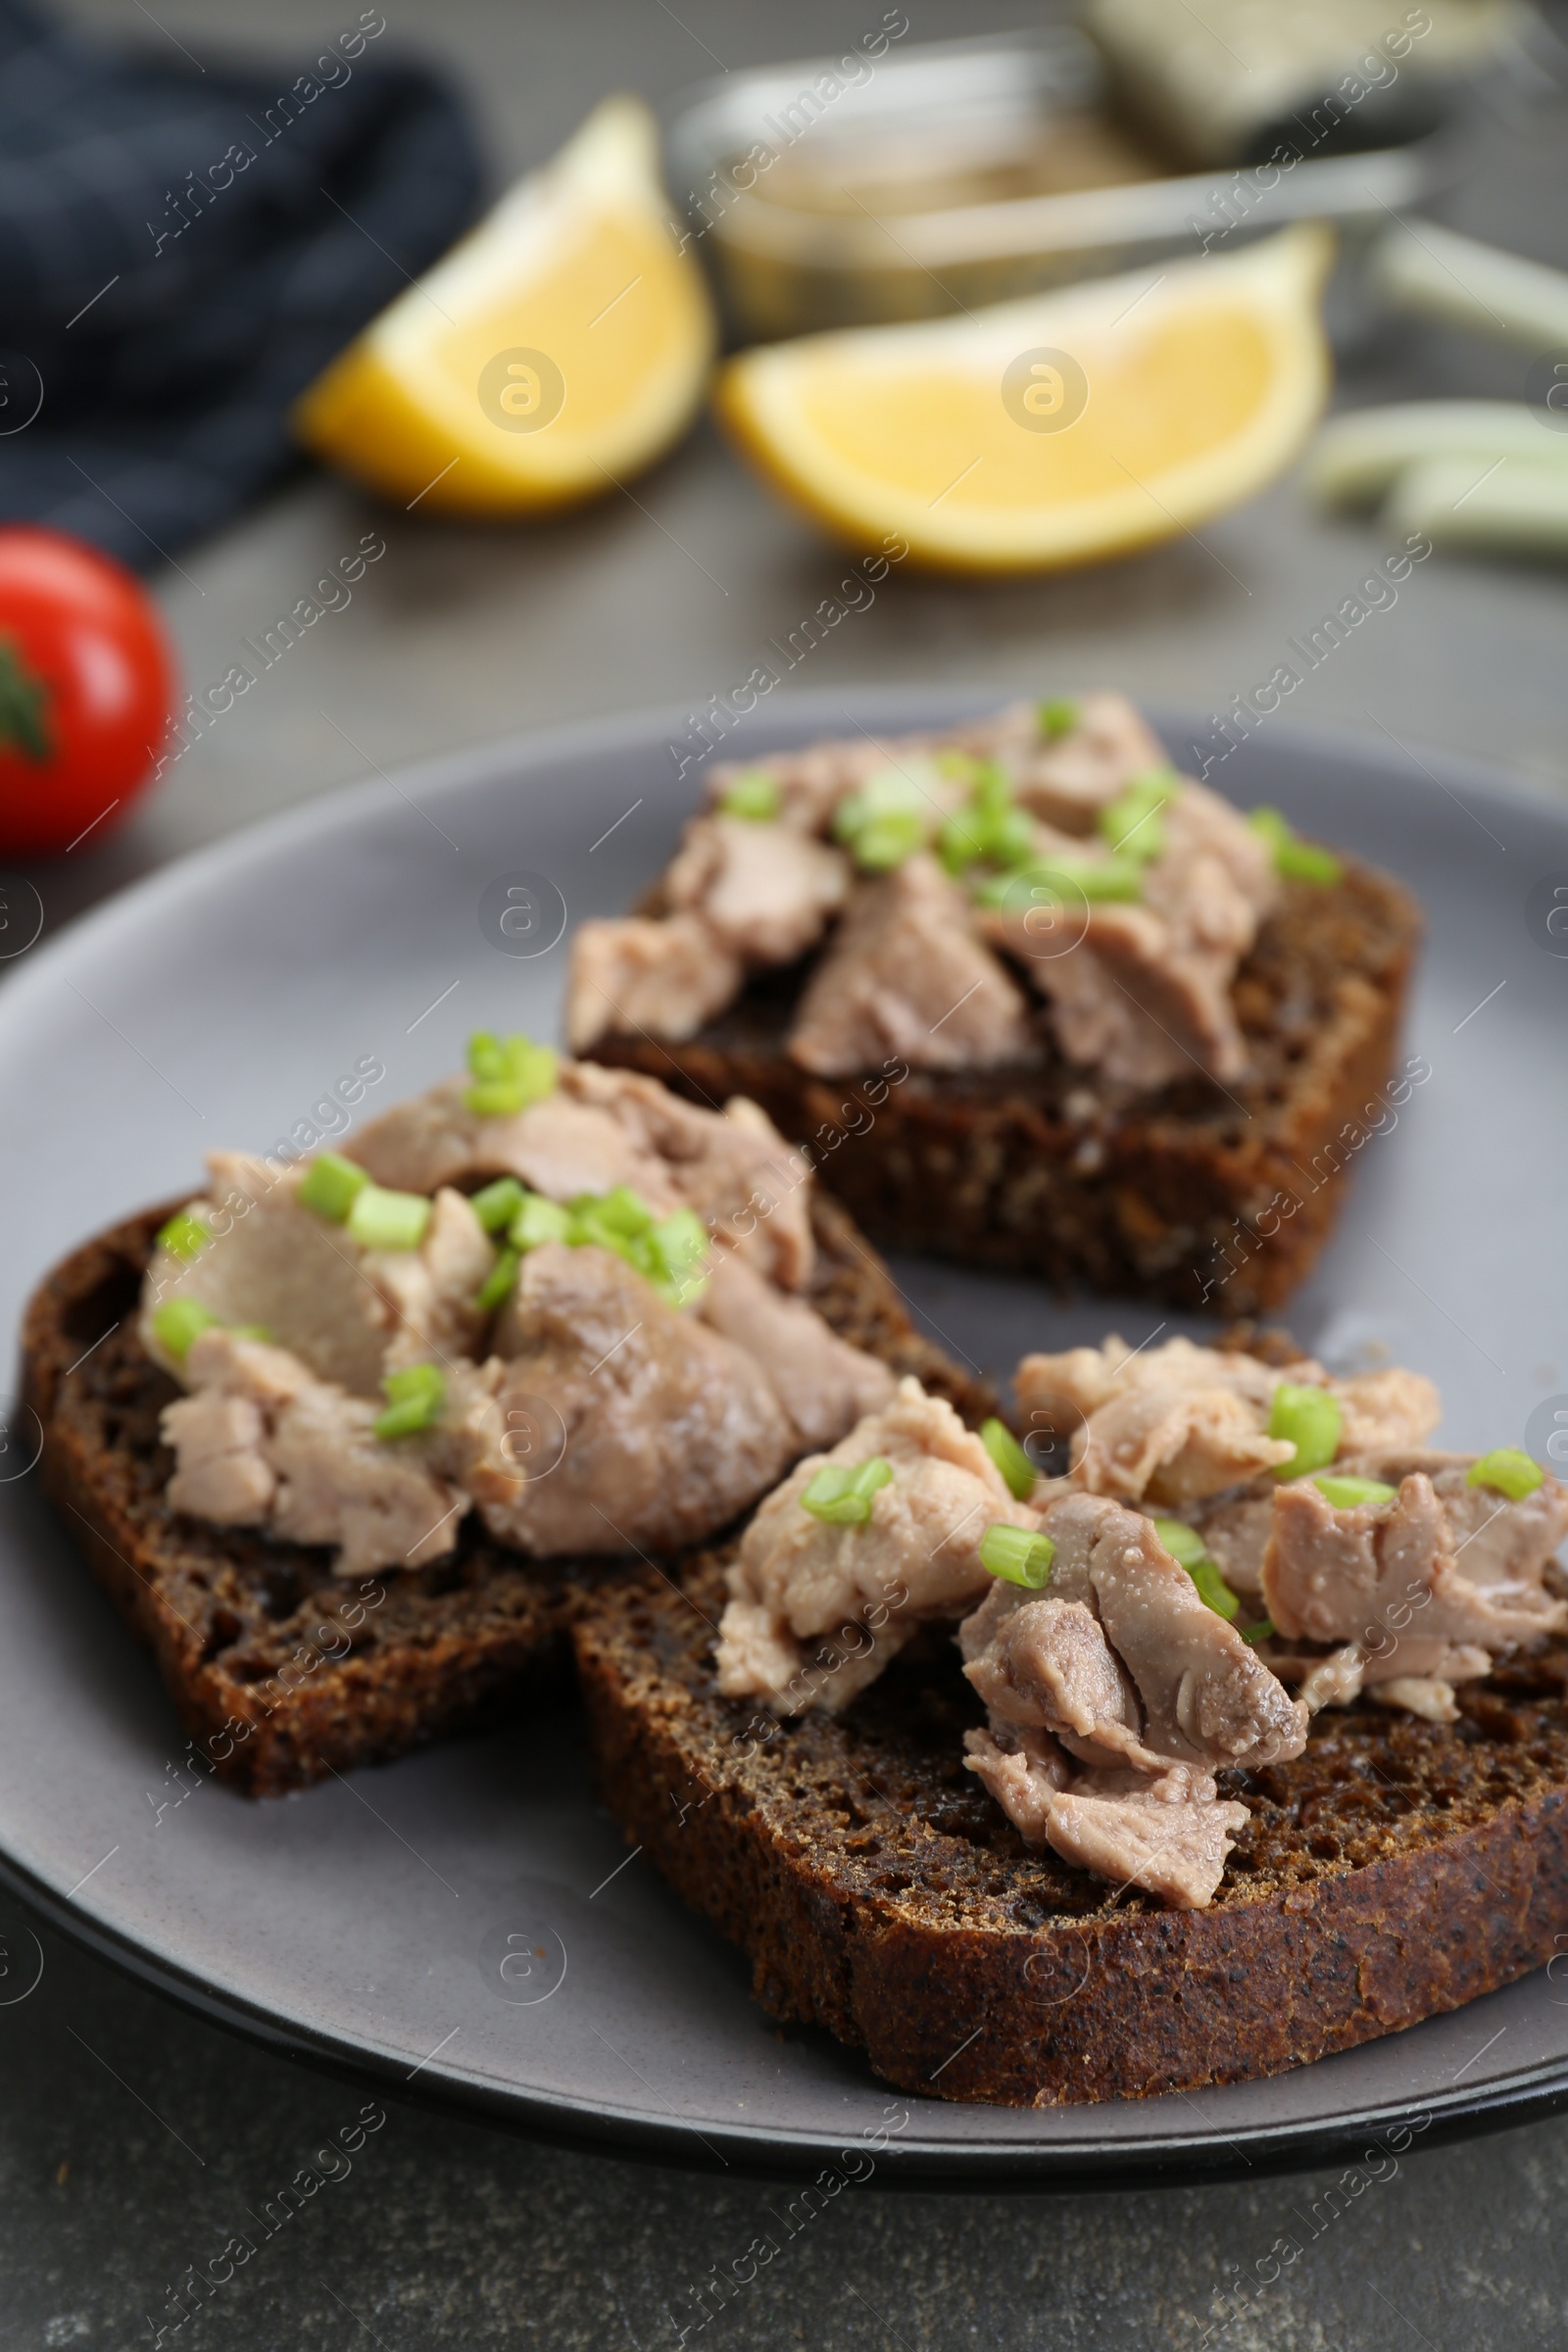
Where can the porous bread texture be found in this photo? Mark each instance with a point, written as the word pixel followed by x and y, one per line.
pixel 1395 1869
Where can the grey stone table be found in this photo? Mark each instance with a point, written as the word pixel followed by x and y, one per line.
pixel 132 2139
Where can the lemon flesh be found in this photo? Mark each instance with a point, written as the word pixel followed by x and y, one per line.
pixel 563 345
pixel 1049 432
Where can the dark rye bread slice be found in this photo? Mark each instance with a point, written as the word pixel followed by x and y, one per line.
pixel 1046 1172
pixel 278 1670
pixel 1398 1868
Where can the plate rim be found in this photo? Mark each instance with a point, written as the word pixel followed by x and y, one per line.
pixel 600 2126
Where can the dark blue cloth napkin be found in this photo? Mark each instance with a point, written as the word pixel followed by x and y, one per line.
pixel 183 245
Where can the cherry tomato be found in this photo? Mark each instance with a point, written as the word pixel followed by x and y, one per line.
pixel 87 690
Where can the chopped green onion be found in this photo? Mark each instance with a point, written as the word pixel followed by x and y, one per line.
pixel 178 1321
pixel 498 1203
pixel 887 841
pixel 497 1286
pixel 1187 1547
pixel 1019 1556
pixel 184 1236
pixel 385 1220
pixel 539 1220
pixel 1182 1542
pixel 961 841
pixel 1346 1493
pixel 1017 1470
pixel 1111 882
pixel 888 792
pixel 989 828
pixel 1298 860
pixel 993 788
pixel 752 794
pixel 1057 717
pixel 1304 861
pixel 1133 824
pixel 331 1185
pixel 1011 838
pixel 1263 1631
pixel 1508 1471
pixel 957 768
pixel 674 1255
pixel 609 1220
pixel 671 1252
pixel 886 820
pixel 508 1074
pixel 415 1399
pixel 1213 1590
pixel 1107 881
pixel 841 1494
pixel 1310 1420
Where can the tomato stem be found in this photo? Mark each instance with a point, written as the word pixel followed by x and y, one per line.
pixel 23 703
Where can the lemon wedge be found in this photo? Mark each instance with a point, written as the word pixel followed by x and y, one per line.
pixel 563 345
pixel 1051 431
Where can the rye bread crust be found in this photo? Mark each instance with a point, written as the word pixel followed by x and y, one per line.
pixel 1047 1173
pixel 1397 1869
pixel 280 1671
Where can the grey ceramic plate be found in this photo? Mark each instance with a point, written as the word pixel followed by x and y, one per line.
pixel 368 1923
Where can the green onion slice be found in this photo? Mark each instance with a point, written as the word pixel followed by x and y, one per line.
pixel 497 1285
pixel 184 1236
pixel 887 820
pixel 508 1074
pixel 752 794
pixel 990 828
pixel 1104 881
pixel 1310 1420
pixel 1186 1547
pixel 1345 1493
pixel 610 1220
pixel 1133 822
pixel 385 1220
pixel 1019 1556
pixel 1264 1631
pixel 993 788
pixel 1213 1590
pixel 498 1203
pixel 1298 860
pixel 1182 1542
pixel 673 1256
pixel 416 1398
pixel 961 841
pixel 1011 838
pixel 539 1220
pixel 1017 1470
pixel 330 1186
pixel 177 1322
pixel 669 1252
pixel 1305 862
pixel 841 1494
pixel 1507 1471
pixel 957 768
pixel 887 841
pixel 1057 717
